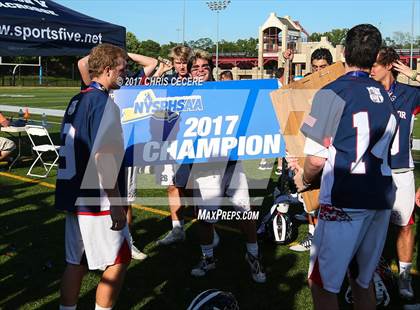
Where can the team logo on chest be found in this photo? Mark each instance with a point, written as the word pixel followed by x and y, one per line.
pixel 375 94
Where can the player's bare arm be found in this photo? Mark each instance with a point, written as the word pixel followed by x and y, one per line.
pixel 107 167
pixel 148 63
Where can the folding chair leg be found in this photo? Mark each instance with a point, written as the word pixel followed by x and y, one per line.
pixel 47 166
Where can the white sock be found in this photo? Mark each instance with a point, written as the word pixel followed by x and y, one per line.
pixel 252 248
pixel 179 224
pixel 405 267
pixel 97 307
pixel 67 307
pixel 311 229
pixel 207 250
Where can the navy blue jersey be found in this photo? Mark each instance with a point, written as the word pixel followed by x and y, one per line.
pixel 406 101
pixel 91 122
pixel 356 174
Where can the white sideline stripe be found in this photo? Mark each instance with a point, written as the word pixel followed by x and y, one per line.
pixel 40 111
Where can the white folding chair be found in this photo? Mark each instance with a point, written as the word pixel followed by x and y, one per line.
pixel 35 134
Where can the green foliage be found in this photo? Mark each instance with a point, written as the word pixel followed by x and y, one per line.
pixel 335 36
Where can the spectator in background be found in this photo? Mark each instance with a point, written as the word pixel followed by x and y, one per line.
pixel 6 145
pixel 226 76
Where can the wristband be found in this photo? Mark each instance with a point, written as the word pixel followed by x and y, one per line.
pixel 414 76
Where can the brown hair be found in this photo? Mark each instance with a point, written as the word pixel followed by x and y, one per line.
pixel 387 56
pixel 180 51
pixel 200 54
pixel 102 56
pixel 226 73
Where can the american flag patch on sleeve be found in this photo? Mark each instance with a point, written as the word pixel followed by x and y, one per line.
pixel 310 121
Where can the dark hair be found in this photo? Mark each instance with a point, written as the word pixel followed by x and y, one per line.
pixel 226 73
pixel 362 46
pixel 387 56
pixel 322 53
pixel 278 73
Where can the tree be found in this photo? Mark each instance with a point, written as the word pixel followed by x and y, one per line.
pixel 205 44
pixel 315 37
pixel 337 36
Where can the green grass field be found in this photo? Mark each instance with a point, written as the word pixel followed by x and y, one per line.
pixel 32 247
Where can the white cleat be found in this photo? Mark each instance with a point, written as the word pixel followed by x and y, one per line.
pixel 137 254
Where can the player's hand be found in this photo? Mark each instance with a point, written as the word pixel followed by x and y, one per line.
pixel 119 217
pixel 402 68
pixel 418 197
pixel 292 163
pixel 164 66
pixel 288 54
pixel 298 180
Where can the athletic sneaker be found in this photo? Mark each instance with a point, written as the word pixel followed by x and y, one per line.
pixel 137 254
pixel 302 217
pixel 177 234
pixel 404 286
pixel 304 245
pixel 206 264
pixel 257 272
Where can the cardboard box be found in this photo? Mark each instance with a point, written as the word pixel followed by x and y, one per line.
pixel 292 103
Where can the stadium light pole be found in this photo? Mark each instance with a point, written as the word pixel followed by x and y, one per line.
pixel 183 24
pixel 217 6
pixel 412 35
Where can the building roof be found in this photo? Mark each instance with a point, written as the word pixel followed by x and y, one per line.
pixel 289 25
pixel 301 27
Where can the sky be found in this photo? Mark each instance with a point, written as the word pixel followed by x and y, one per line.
pixel 161 20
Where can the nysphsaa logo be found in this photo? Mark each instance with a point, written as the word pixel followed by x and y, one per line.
pixel 375 94
pixel 147 105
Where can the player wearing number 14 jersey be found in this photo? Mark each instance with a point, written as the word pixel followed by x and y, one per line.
pixel 91 183
pixel 349 132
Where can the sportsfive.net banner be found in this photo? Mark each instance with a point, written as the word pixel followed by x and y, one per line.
pixel 213 121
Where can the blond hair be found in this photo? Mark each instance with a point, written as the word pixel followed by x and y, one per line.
pixel 180 51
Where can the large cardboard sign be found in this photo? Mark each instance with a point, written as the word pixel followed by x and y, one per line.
pixel 292 104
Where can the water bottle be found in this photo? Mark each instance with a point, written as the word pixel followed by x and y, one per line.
pixel 20 114
pixel 44 122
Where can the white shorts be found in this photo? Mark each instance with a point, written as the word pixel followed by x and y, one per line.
pixel 212 186
pixel 344 236
pixel 90 237
pixel 404 204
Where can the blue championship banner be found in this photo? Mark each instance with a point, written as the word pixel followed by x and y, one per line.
pixel 207 122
